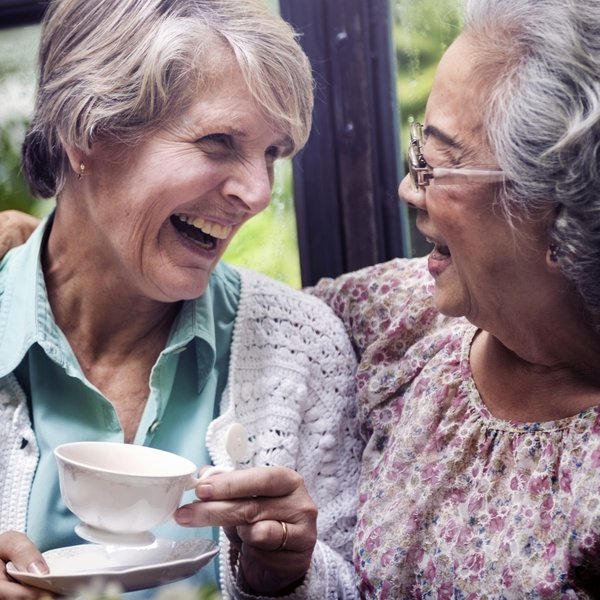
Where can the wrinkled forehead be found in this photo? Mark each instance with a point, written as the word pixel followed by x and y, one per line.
pixel 455 104
pixel 220 72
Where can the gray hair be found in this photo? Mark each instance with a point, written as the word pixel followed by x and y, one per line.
pixel 541 104
pixel 120 69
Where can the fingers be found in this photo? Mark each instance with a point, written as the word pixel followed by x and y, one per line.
pixel 252 505
pixel 15 228
pixel 249 496
pixel 268 567
pixel 278 536
pixel 16 547
pixel 22 552
pixel 269 518
pixel 247 483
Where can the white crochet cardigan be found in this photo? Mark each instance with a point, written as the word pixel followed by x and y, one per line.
pixel 291 384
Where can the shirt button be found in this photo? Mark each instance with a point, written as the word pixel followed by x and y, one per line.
pixel 155 425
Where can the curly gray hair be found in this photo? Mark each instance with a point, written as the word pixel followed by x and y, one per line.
pixel 120 69
pixel 540 66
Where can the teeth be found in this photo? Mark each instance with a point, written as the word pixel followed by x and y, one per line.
pixel 214 229
pixel 439 247
pixel 219 231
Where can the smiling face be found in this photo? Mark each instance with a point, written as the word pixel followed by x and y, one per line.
pixel 158 216
pixel 483 269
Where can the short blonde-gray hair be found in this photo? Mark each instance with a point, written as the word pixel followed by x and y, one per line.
pixel 120 69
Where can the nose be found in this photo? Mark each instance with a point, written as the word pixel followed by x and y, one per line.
pixel 410 194
pixel 251 184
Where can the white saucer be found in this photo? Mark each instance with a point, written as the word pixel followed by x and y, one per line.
pixel 77 567
pixel 100 536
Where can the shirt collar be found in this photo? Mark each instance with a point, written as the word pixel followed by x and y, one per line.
pixel 24 307
pixel 196 321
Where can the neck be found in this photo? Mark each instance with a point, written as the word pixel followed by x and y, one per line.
pixel 97 308
pixel 555 380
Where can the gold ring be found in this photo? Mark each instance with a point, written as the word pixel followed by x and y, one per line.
pixel 284 536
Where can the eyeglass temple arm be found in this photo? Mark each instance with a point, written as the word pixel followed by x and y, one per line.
pixel 446 175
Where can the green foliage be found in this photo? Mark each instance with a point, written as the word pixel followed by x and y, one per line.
pixel 422 32
pixel 13 191
pixel 17 53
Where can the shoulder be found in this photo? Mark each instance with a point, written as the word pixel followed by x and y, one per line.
pixel 404 280
pixel 395 296
pixel 277 324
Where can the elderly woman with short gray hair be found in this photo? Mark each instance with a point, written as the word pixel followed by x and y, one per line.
pixel 157 125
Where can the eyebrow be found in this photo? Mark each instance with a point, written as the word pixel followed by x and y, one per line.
pixel 284 142
pixel 433 131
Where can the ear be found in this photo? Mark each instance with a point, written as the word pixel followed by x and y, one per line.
pixel 554 251
pixel 76 157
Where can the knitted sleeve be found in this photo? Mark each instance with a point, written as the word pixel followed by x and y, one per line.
pixel 18 455
pixel 291 383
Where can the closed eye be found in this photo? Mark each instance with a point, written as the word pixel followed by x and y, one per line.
pixel 217 139
pixel 281 149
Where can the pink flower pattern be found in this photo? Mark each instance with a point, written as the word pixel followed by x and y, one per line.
pixel 455 503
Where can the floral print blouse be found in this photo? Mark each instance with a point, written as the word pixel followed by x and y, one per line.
pixel 455 503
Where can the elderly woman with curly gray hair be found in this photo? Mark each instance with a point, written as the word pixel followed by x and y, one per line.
pixel 479 376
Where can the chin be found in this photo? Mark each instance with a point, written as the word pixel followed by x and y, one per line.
pixel 448 304
pixel 188 290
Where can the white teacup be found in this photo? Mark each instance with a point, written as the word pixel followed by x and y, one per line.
pixel 121 491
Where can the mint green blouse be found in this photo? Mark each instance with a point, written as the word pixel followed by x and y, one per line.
pixel 185 385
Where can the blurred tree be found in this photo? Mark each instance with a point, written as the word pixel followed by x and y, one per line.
pixel 17 58
pixel 422 32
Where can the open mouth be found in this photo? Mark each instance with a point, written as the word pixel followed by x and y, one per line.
pixel 440 251
pixel 200 231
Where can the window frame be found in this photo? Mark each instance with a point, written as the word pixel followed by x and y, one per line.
pixel 21 12
pixel 346 179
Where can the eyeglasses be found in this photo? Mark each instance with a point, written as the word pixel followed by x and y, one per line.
pixel 422 174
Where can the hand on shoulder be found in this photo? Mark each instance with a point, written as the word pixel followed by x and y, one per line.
pixel 15 228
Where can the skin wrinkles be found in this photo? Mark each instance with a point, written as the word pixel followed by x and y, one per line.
pixel 185 179
pixel 490 271
pixel 119 217
pixel 225 126
pixel 453 150
pixel 435 132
